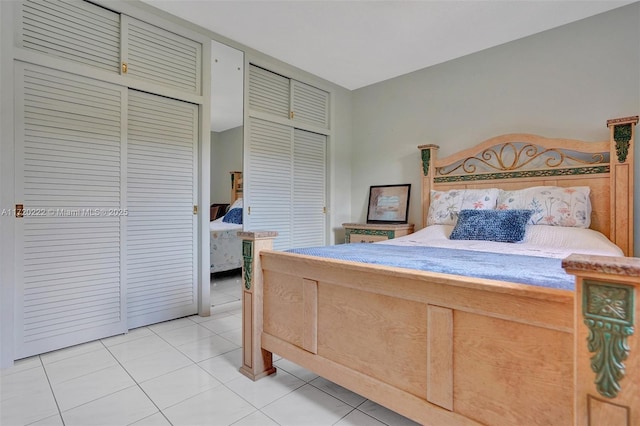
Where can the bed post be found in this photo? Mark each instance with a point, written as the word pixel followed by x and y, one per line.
pixel 256 362
pixel 607 340
pixel 622 132
pixel 428 172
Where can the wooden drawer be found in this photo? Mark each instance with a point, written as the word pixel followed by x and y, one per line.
pixel 370 233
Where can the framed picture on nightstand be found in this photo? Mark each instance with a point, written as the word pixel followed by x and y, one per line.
pixel 388 203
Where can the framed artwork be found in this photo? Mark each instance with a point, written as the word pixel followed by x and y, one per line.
pixel 388 203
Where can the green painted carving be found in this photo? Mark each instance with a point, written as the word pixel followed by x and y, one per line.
pixel 622 136
pixel 524 174
pixel 247 256
pixel 608 311
pixel 390 234
pixel 426 158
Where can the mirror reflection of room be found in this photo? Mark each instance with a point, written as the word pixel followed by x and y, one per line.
pixel 225 211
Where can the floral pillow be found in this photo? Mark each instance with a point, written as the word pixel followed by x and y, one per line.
pixel 446 205
pixel 551 205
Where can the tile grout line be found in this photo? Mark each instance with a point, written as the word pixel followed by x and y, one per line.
pixel 52 391
pixel 109 394
pixel 193 362
pixel 222 383
pixel 138 385
pixel 260 409
pixel 333 396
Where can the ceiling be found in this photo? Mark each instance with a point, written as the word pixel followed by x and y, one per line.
pixel 357 43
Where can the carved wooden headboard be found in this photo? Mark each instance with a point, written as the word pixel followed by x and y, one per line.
pixel 516 161
pixel 236 185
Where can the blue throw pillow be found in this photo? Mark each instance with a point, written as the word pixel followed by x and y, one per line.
pixel 506 226
pixel 233 216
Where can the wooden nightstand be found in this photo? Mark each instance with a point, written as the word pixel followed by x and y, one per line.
pixel 372 232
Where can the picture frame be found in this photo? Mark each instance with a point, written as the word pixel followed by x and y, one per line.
pixel 388 203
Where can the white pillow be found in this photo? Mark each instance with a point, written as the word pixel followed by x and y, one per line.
pixel 551 205
pixel 577 240
pixel 445 205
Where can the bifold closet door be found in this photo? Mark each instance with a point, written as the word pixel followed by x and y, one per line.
pixel 69 177
pixel 309 189
pixel 267 180
pixel 161 170
pixel 285 184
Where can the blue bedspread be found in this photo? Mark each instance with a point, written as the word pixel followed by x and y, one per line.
pixel 540 271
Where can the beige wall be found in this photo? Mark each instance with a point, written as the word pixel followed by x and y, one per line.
pixel 340 159
pixel 564 82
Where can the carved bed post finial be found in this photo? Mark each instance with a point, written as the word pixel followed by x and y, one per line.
pixel 428 155
pixel 622 135
pixel 256 362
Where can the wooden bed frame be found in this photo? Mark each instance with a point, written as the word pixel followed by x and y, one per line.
pixel 452 350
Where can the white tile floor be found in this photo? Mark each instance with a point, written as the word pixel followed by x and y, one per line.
pixel 226 287
pixel 181 372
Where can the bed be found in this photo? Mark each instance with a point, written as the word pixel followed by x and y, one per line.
pixel 448 349
pixel 225 247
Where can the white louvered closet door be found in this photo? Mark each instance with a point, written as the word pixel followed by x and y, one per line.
pixel 73 30
pixel 267 184
pixel 156 55
pixel 309 104
pixel 269 92
pixel 309 189
pixel 69 177
pixel 161 192
pixel 285 168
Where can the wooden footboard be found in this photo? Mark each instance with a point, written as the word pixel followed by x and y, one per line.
pixel 437 348
pixel 406 345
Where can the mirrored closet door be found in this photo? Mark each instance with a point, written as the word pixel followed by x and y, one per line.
pixel 227 77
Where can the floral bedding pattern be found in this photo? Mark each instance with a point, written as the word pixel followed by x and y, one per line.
pixel 551 205
pixel 225 250
pixel 446 205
